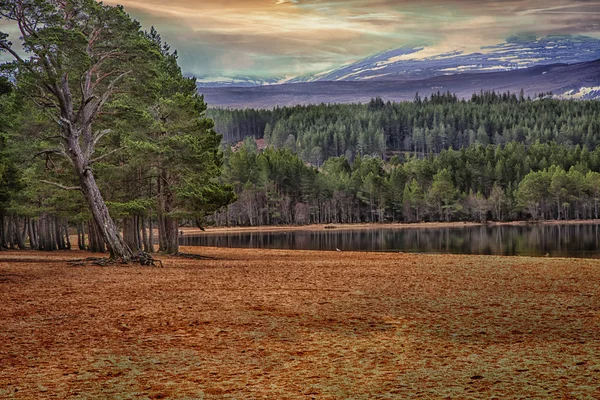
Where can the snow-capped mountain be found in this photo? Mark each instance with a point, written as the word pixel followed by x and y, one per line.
pixel 579 81
pixel 238 81
pixel 517 52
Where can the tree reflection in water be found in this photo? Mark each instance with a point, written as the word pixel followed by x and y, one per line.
pixel 533 240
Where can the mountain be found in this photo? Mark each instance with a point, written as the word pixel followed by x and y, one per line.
pixel 238 81
pixel 517 52
pixel 579 81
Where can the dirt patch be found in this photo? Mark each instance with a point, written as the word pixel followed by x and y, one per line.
pixel 300 324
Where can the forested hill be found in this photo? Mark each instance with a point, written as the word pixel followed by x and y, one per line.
pixel 501 157
pixel 423 126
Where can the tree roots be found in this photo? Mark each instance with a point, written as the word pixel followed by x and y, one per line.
pixel 142 258
pixel 194 256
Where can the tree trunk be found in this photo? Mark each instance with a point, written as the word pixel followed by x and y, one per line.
pixel 80 236
pixel 96 243
pixel 129 233
pixel 150 235
pixel 145 241
pixel 36 233
pixel 67 238
pixel 33 243
pixel 2 235
pixel 106 226
pixel 52 240
pixel 169 242
pixel 138 238
pixel 60 241
pixel 168 228
pixel 19 234
pixel 10 234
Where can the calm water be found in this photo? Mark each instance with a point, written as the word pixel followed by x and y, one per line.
pixel 537 240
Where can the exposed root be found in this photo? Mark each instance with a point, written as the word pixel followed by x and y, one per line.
pixel 85 262
pixel 146 259
pixel 142 258
pixel 193 256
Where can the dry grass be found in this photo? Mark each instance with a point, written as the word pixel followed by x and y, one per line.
pixel 297 325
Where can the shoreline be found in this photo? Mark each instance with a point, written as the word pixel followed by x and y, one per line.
pixel 187 231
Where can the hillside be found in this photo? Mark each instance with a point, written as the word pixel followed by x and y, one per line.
pixel 581 80
pixel 517 52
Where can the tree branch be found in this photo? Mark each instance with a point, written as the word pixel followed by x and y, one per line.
pixel 60 152
pixel 99 135
pixel 58 185
pixel 102 157
pixel 109 92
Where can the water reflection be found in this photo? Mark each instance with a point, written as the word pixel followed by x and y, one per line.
pixel 538 240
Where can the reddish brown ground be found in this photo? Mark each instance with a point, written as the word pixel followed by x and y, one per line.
pixel 295 325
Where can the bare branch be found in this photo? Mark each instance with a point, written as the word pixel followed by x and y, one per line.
pixel 100 135
pixel 43 107
pixel 46 153
pixel 63 187
pixel 102 157
pixel 17 57
pixel 109 92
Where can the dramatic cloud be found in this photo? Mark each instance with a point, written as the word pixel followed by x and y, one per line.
pixel 293 37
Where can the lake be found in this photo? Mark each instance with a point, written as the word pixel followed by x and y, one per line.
pixel 580 240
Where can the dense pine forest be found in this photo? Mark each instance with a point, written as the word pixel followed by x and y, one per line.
pixel 496 157
pixel 423 127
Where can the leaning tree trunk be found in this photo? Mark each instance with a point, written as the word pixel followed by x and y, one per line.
pixel 107 228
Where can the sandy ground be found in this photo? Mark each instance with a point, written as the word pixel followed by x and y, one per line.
pixel 300 325
pixel 420 225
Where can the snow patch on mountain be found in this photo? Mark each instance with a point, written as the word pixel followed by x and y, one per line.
pixel 583 93
pixel 238 81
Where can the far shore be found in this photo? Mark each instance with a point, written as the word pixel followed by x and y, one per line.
pixel 419 225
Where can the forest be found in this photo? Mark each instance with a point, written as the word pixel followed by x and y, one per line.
pixel 494 157
pixel 476 183
pixel 423 126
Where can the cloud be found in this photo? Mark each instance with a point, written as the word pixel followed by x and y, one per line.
pixel 283 37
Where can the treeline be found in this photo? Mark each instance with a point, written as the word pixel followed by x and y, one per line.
pixel 423 126
pixel 476 183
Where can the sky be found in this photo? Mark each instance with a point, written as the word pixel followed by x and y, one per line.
pixel 284 38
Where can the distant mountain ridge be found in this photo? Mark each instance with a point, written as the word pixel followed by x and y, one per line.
pixel 517 52
pixel 569 81
pixel 238 81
